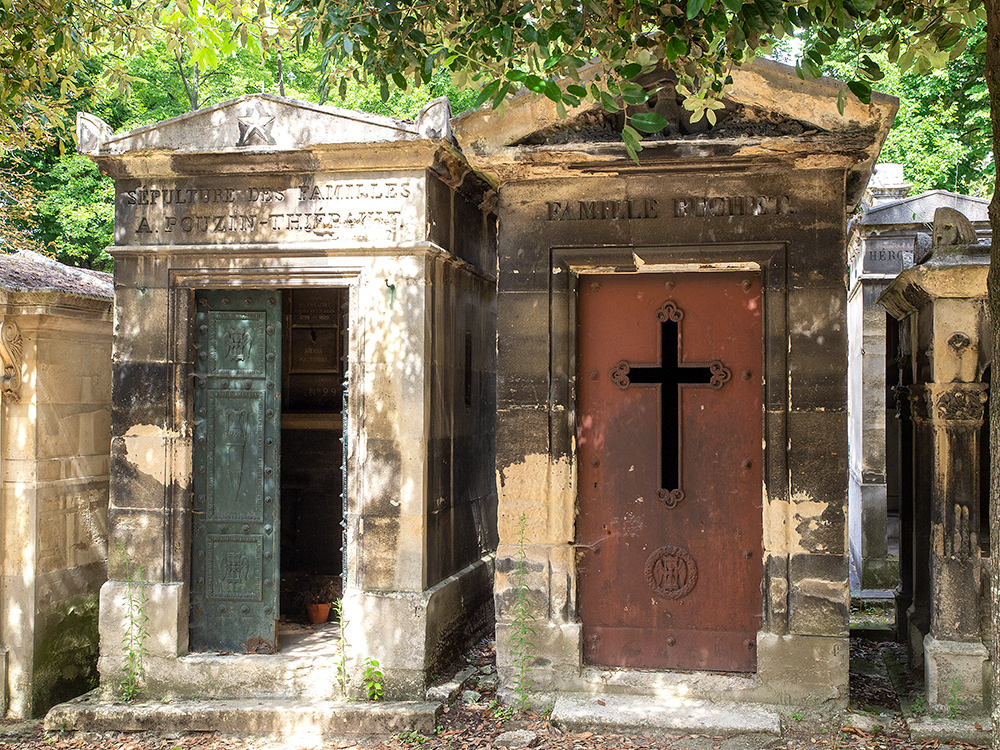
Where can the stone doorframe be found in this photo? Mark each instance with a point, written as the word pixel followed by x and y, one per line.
pixel 793 662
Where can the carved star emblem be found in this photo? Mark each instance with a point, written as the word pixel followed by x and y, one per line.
pixel 255 126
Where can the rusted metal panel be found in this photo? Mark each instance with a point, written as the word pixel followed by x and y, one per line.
pixel 670 478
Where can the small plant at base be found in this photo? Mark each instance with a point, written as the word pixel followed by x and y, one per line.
pixel 136 620
pixel 373 679
pixel 413 737
pixel 520 630
pixel 797 717
pixel 954 700
pixel 340 658
pixel 919 704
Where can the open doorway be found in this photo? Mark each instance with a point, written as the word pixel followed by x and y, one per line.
pixel 313 368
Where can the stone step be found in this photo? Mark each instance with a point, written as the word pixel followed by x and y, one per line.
pixel 644 713
pixel 275 717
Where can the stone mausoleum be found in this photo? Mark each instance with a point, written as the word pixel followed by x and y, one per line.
pixel 672 390
pixel 945 351
pixel 880 244
pixel 304 342
pixel 55 388
pixel 637 369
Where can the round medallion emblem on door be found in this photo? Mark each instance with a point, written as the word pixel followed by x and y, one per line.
pixel 671 572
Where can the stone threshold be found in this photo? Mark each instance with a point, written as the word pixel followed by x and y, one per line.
pixel 282 717
pixel 642 713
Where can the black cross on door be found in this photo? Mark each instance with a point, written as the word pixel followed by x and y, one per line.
pixel 670 376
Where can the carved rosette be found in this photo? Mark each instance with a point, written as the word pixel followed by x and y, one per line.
pixel 720 374
pixel 619 375
pixel 12 356
pixel 671 572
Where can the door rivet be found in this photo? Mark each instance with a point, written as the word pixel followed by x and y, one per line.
pixel 745 284
pixel 671 641
pixel 201 580
pixel 747 463
pixel 267 500
pixel 747 554
pixel 594 375
pixel 222 607
pixel 267 610
pixel 268 529
pixel 269 441
pixel 747 374
pixel 245 609
pixel 749 644
pixel 595 462
pixel 225 383
pixel 267 582
pixel 669 285
pixel 246 528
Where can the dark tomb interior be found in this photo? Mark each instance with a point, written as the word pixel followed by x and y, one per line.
pixel 314 327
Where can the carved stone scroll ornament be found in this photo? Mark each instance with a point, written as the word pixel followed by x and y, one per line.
pixel 12 356
pixel 961 405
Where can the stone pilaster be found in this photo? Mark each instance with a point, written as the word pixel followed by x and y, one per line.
pixel 947 420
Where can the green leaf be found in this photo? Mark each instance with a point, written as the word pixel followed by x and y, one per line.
pixel 694 7
pixel 861 90
pixel 631 70
pixel 632 142
pixel 609 103
pixel 534 83
pixel 842 99
pixel 399 80
pixel 676 46
pixel 733 6
pixel 516 75
pixel 578 91
pixel 648 122
pixel 552 91
pixel 633 93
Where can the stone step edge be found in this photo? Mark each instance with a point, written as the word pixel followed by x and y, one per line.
pixel 256 716
pixel 646 712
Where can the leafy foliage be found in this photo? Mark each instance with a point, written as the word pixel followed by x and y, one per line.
pixel 547 46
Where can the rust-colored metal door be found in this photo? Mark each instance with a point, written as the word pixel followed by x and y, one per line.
pixel 669 430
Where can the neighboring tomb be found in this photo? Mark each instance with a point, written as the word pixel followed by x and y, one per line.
pixel 55 349
pixel 304 347
pixel 672 398
pixel 880 245
pixel 945 352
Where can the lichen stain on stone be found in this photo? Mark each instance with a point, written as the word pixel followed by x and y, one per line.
pixel 797 517
pixel 806 320
pixel 817 588
pixel 542 490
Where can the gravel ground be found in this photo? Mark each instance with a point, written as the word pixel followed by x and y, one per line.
pixel 873 722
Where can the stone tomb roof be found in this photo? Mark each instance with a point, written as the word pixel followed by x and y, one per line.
pixel 773 121
pixel 27 271
pixel 919 209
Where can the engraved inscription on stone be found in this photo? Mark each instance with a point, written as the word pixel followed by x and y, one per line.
pixel 686 207
pixel 277 208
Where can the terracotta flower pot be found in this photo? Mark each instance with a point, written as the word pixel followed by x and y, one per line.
pixel 318 612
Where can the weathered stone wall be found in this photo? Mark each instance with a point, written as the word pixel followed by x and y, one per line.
pixel 790 225
pixel 54 497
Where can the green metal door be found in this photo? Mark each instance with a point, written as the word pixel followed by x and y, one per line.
pixel 234 562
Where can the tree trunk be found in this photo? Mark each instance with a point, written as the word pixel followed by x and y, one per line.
pixel 993 297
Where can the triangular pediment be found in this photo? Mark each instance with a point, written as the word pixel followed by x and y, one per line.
pixel 771 114
pixel 262 122
pixel 919 209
